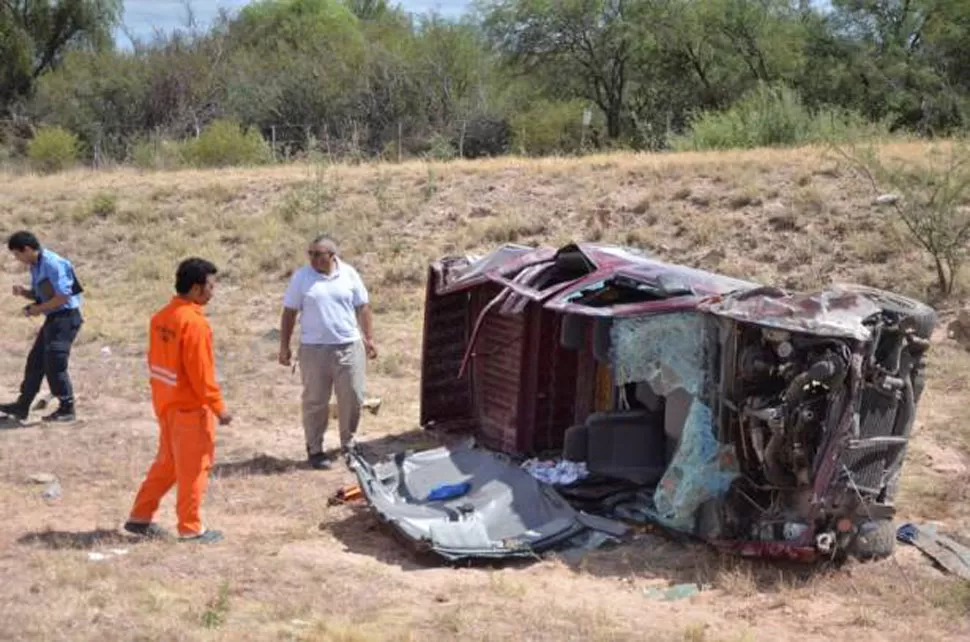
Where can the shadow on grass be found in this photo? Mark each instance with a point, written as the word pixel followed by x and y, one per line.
pixel 362 533
pixel 260 464
pixel 81 540
pixel 657 556
pixel 9 423
pixel 646 553
pixel 373 449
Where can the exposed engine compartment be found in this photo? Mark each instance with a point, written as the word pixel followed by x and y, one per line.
pixel 785 397
pixel 786 393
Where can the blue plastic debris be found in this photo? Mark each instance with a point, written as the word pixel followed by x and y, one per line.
pixel 448 491
pixel 907 533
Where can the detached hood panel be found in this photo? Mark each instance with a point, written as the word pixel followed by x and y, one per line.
pixel 504 513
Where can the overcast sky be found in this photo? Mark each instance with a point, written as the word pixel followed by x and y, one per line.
pixel 142 16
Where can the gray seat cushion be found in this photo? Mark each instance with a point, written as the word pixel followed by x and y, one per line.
pixel 624 445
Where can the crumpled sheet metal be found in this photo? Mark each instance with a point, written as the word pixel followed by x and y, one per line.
pixel 457 270
pixel 668 350
pixel 702 469
pixel 505 513
pixel 833 312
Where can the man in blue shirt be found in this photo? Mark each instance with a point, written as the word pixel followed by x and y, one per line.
pixel 56 294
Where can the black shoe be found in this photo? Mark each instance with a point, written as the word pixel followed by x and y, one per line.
pixel 319 462
pixel 149 531
pixel 207 536
pixel 14 410
pixel 63 414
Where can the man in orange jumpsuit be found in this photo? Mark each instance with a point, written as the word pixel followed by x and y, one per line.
pixel 187 400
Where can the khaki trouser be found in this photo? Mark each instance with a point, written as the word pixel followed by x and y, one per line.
pixel 326 369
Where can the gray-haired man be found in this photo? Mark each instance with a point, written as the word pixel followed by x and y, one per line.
pixel 336 332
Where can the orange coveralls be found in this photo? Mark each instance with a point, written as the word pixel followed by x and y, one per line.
pixel 185 395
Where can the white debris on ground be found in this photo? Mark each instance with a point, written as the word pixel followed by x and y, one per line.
pixel 53 491
pixel 556 473
pixel 886 199
pixel 97 556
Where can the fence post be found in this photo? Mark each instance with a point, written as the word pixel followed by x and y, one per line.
pixel 272 133
pixel 399 142
pixel 98 161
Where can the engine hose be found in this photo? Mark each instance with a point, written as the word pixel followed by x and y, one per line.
pixel 824 371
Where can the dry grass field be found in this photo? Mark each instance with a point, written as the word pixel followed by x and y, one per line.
pixel 292 568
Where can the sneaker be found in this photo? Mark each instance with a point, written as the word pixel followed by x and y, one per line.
pixel 63 414
pixel 14 410
pixel 207 536
pixel 149 531
pixel 319 462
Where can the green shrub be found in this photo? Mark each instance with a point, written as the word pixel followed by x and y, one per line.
pixel 771 116
pixel 549 128
pixel 440 148
pixel 52 149
pixel 104 204
pixel 225 143
pixel 157 153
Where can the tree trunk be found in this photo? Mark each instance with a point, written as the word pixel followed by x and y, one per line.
pixel 613 120
pixel 945 284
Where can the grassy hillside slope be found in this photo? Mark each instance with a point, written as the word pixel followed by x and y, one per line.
pixel 292 568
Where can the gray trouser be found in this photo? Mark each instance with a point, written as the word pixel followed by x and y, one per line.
pixel 325 369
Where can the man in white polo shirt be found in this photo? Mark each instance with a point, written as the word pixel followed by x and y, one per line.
pixel 336 332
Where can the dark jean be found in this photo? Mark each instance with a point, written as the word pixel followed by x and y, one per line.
pixel 49 356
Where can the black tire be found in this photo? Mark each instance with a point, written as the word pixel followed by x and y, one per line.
pixel 923 316
pixel 876 541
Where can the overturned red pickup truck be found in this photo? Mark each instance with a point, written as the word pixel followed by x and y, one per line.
pixel 765 422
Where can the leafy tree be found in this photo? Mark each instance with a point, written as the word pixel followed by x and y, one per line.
pixel 36 34
pixel 595 41
pixel 890 65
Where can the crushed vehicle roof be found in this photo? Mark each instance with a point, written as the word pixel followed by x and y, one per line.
pixel 521 268
pixel 831 312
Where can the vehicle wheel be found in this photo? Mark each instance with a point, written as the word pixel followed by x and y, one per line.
pixel 923 316
pixel 876 540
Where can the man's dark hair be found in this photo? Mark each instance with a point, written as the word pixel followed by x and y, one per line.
pixel 193 271
pixel 20 241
